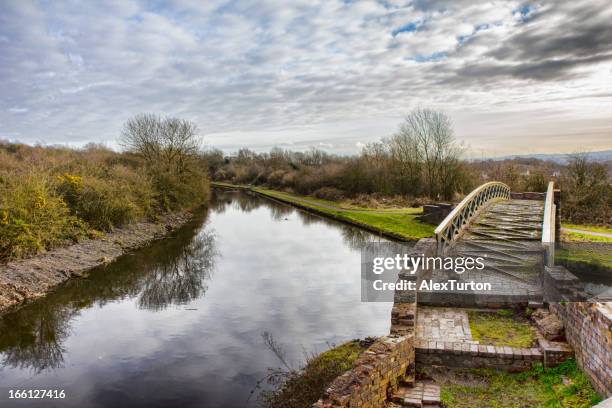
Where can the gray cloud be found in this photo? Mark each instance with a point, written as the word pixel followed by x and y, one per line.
pixel 259 73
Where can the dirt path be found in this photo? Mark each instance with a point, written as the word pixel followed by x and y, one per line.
pixel 31 278
pixel 587 232
pixel 308 202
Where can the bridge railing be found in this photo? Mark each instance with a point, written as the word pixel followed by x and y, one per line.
pixel 461 215
pixel 549 224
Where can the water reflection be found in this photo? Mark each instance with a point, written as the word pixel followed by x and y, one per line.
pixel 355 238
pixel 181 278
pixel 157 328
pixel 33 337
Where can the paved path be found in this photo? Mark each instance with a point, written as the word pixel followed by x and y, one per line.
pixel 587 232
pixel 316 203
pixel 443 324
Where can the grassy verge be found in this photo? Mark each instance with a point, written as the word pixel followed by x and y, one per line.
pixel 301 389
pixel 564 386
pixel 501 328
pixel 396 223
pixel 568 236
pixel 585 256
pixel 593 228
pixel 571 236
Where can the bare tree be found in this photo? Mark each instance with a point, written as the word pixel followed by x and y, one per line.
pixel 406 162
pixel 427 137
pixel 171 150
pixel 168 142
pixel 587 192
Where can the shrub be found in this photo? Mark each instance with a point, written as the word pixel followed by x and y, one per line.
pixel 302 388
pixel 329 193
pixel 106 203
pixel 52 195
pixel 289 179
pixel 103 205
pixel 586 192
pixel 180 191
pixel 275 178
pixel 33 217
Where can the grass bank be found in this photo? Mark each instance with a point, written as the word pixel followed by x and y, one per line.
pixel 54 196
pixel 396 223
pixel 501 328
pixel 585 233
pixel 564 386
pixel 302 388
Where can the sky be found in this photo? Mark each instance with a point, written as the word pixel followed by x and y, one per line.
pixel 514 77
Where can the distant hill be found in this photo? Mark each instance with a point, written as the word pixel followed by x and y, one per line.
pixel 561 158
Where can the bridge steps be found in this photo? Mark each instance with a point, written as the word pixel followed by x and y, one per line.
pixel 507 234
pixel 421 395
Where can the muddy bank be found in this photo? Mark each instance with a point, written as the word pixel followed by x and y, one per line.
pixel 31 278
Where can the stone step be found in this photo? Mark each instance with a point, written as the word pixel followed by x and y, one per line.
pixel 535 304
pixel 421 395
pixel 408 380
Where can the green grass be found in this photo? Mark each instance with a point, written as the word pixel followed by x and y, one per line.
pixel 564 386
pixel 352 207
pixel 302 388
pixel 580 237
pixel 594 228
pixel 584 256
pixel 229 185
pixel 568 236
pixel 400 223
pixel 403 225
pixel 343 356
pixel 501 329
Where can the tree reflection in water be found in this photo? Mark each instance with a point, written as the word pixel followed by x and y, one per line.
pixel 172 271
pixel 181 279
pixel 35 342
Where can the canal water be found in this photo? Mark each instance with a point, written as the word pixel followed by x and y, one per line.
pixel 182 322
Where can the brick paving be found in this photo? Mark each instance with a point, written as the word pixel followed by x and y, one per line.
pixel 446 324
pixel 423 394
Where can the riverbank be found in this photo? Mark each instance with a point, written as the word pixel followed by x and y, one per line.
pixel 398 224
pixel 55 196
pixel 27 279
pixel 585 233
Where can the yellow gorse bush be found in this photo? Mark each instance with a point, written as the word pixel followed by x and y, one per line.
pixel 76 182
pixel 50 196
pixel 34 217
pixel 41 201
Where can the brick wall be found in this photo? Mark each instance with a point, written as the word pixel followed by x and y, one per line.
pixel 588 328
pixel 465 355
pixel 389 361
pixel 377 372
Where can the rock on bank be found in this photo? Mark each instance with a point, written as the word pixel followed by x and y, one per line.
pixel 30 278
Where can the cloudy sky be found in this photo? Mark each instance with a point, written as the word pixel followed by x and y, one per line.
pixel 514 77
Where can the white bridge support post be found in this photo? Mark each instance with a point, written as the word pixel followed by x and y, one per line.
pixel 549 225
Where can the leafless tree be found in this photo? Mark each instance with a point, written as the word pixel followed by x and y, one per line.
pixel 586 190
pixel 426 137
pixel 168 142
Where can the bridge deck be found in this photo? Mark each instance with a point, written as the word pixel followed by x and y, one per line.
pixel 507 234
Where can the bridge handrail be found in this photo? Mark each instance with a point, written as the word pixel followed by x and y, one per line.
pixel 548 225
pixel 450 227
